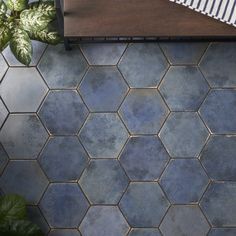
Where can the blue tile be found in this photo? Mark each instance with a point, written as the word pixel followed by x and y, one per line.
pixel 144 158
pixel 3 113
pixel 23 136
pixel 24 178
pixel 104 221
pixel 218 111
pixel 63 159
pixel 184 88
pixel 103 89
pixel 144 232
pixel 222 232
pixel 183 52
pixel 184 181
pixel 64 232
pixel 219 64
pixel 64 205
pixel 3 67
pixel 23 89
pixel 103 54
pixel 35 216
pixel 63 112
pixel 104 181
pixel 184 220
pixel 144 204
pixel 103 135
pixel 143 65
pixel 3 159
pixel 184 134
pixel 143 111
pixel 62 69
pixel 218 158
pixel 219 204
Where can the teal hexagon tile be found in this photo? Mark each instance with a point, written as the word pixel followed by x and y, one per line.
pixel 104 181
pixel 105 221
pixel 222 232
pixel 3 113
pixel 3 159
pixel 3 67
pixel 64 232
pixel 143 65
pixel 62 69
pixel 143 111
pixel 144 232
pixel 103 135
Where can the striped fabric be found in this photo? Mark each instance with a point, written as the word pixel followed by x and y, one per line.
pixel 223 10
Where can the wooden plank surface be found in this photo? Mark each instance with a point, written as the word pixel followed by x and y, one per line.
pixel 110 18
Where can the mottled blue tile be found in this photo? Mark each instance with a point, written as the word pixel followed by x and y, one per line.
pixel 184 52
pixel 103 135
pixel 3 67
pixel 64 205
pixel 103 89
pixel 219 204
pixel 3 113
pixel 64 232
pixel 184 88
pixel 3 159
pixel 144 158
pixel 219 110
pixel 104 221
pixel 218 158
pixel 23 89
pixel 219 64
pixel 184 134
pixel 62 69
pixel 38 49
pixel 35 216
pixel 184 220
pixel 143 65
pixel 104 181
pixel 24 178
pixel 63 112
pixel 184 181
pixel 144 232
pixel 23 136
pixel 222 232
pixel 63 158
pixel 103 54
pixel 143 111
pixel 144 204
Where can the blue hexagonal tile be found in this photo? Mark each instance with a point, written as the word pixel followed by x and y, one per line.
pixel 64 232
pixel 103 89
pixel 218 111
pixel 103 135
pixel 105 221
pixel 23 89
pixel 184 181
pixel 143 111
pixel 35 216
pixel 103 54
pixel 144 158
pixel 184 52
pixel 62 69
pixel 184 88
pixel 144 232
pixel 24 178
pixel 38 49
pixel 218 157
pixel 184 134
pixel 23 136
pixel 3 67
pixel 184 220
pixel 63 158
pixel 3 113
pixel 219 64
pixel 144 204
pixel 143 65
pixel 63 112
pixel 219 205
pixel 104 181
pixel 64 205
pixel 3 159
pixel 222 232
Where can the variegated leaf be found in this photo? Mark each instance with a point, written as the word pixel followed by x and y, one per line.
pixel 17 5
pixel 21 46
pixel 5 35
pixel 47 8
pixel 46 36
pixel 3 8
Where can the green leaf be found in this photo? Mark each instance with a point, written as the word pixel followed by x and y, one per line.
pixel 21 46
pixel 12 207
pixel 5 35
pixel 47 8
pixel 3 8
pixel 46 36
pixel 17 5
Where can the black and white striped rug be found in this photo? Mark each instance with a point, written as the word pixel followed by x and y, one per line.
pixel 223 10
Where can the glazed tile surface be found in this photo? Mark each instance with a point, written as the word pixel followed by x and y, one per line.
pixel 122 139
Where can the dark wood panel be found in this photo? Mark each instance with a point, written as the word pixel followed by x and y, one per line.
pixel 107 18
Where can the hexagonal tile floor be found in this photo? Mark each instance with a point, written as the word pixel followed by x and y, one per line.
pixel 122 139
